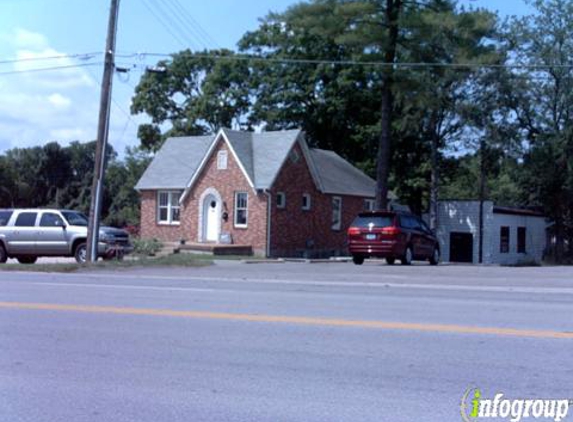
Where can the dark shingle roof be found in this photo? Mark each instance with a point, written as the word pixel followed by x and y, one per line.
pixel 261 156
pixel 338 176
pixel 175 163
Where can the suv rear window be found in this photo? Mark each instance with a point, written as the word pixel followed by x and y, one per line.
pixel 364 221
pixel 26 219
pixel 5 217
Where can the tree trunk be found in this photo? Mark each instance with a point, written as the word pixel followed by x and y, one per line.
pixel 385 142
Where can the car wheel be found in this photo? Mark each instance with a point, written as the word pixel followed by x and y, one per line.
pixel 358 260
pixel 435 258
pixel 390 261
pixel 408 256
pixel 27 259
pixel 3 255
pixel 81 253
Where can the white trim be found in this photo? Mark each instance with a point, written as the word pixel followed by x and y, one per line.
pixel 308 205
pixel 206 158
pixel 201 230
pixel 240 164
pixel 309 161
pixel 169 207
pixel 222 159
pixel 235 209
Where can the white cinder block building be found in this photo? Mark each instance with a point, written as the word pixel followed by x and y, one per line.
pixel 510 235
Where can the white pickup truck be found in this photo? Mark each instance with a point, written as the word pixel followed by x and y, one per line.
pixel 26 234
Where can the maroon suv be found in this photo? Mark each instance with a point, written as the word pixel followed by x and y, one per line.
pixel 392 235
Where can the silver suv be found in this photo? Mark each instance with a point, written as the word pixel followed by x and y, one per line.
pixel 26 234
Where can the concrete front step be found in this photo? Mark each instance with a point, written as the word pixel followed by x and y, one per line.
pixel 215 249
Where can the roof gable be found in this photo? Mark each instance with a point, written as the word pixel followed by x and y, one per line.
pixel 261 156
pixel 174 163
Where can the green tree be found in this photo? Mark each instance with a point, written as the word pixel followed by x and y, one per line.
pixel 542 100
pixel 194 94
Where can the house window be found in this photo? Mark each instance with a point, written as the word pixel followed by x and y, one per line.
pixel 504 239
pixel 241 211
pixel 521 239
pixel 281 200
pixel 306 202
pixel 336 213
pixel 168 207
pixel 369 205
pixel 222 160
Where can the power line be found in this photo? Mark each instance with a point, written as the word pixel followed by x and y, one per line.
pixel 48 69
pixel 203 34
pixel 238 57
pixel 80 56
pixel 177 20
pixel 163 23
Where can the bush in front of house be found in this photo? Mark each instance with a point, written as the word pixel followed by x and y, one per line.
pixel 146 247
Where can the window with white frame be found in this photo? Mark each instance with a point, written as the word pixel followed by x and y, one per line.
pixel 336 213
pixel 306 202
pixel 222 160
pixel 369 205
pixel 241 209
pixel 281 200
pixel 168 210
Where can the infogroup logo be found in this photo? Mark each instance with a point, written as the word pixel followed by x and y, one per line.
pixel 474 407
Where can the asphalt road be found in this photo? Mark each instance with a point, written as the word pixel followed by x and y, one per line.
pixel 282 342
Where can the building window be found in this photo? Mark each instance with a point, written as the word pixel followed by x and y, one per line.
pixel 168 207
pixel 521 239
pixel 504 239
pixel 306 202
pixel 241 209
pixel 336 213
pixel 222 160
pixel 281 200
pixel 369 204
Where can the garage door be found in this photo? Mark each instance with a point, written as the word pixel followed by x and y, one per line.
pixel 461 247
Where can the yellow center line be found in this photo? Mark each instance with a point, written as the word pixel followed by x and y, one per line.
pixel 331 322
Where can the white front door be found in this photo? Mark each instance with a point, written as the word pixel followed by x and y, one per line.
pixel 211 213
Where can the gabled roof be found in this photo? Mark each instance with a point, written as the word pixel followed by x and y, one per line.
pixel 339 177
pixel 176 161
pixel 260 155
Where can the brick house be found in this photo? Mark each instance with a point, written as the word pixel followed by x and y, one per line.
pixel 267 190
pixel 509 235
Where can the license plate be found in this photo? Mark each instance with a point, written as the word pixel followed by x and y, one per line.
pixel 370 237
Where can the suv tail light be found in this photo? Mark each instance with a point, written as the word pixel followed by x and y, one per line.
pixel 353 231
pixel 391 231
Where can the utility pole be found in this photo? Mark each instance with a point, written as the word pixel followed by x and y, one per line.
pixel 102 135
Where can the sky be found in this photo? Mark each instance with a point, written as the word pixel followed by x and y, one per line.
pixel 38 106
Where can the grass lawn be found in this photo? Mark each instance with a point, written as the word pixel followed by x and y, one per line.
pixel 177 260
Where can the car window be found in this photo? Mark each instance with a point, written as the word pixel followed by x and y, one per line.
pixel 425 227
pixel 75 218
pixel 26 219
pixel 5 217
pixel 374 221
pixel 51 220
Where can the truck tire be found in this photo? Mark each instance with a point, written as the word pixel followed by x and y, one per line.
pixel 3 254
pixel 81 253
pixel 27 259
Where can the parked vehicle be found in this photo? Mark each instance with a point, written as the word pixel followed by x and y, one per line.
pixel 392 235
pixel 26 234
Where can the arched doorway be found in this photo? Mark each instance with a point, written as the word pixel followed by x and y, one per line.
pixel 211 218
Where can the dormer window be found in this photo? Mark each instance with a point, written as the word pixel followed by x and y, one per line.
pixel 222 160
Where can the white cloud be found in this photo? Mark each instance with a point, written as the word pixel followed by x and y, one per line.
pixel 27 39
pixel 51 105
pixel 59 101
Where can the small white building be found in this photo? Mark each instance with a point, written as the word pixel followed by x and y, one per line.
pixel 510 235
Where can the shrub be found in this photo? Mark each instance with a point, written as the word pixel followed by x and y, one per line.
pixel 146 246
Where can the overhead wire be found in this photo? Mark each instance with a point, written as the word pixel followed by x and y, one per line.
pixel 163 23
pixel 202 33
